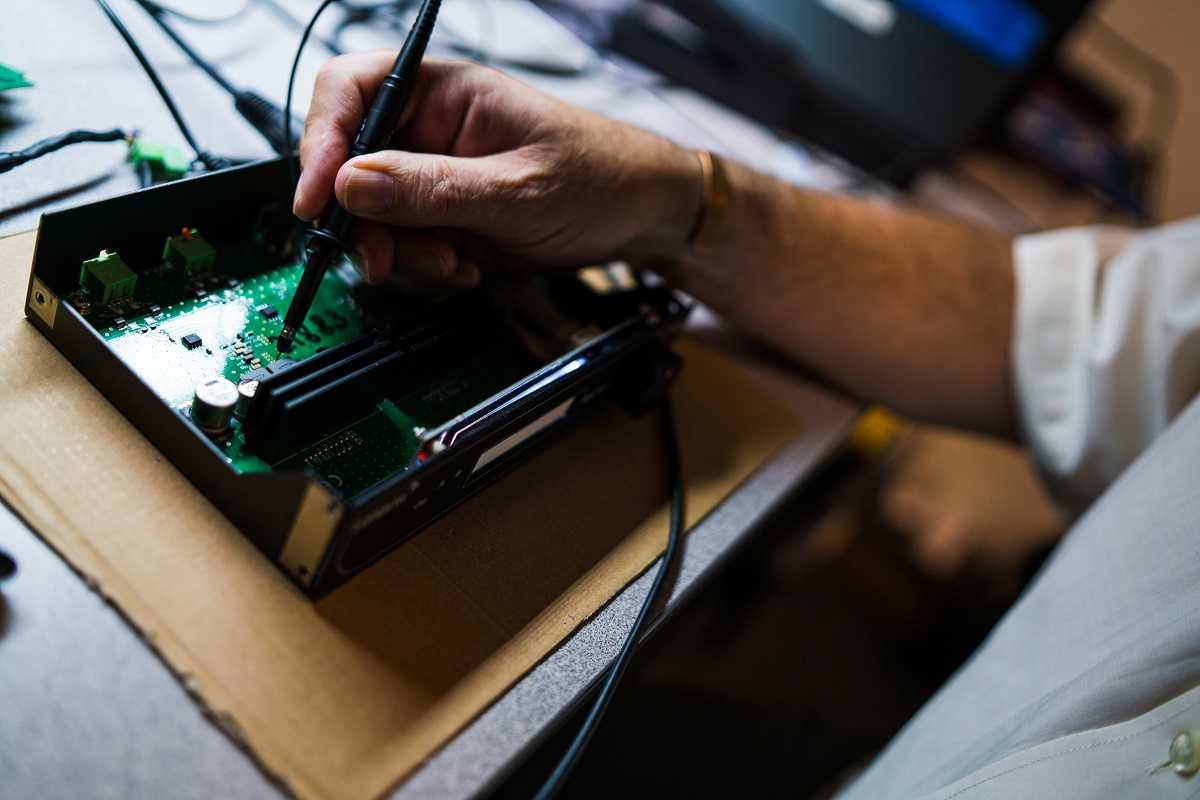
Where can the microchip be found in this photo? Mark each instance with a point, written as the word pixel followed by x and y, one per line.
pixel 154 309
pixel 118 322
pixel 269 312
pixel 191 341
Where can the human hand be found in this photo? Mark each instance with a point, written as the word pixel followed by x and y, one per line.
pixel 483 169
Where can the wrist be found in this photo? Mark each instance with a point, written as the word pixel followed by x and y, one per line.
pixel 672 183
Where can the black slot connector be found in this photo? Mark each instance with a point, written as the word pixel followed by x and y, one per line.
pixel 339 386
pixel 321 394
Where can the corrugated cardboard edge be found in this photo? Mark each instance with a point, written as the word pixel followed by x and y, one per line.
pixel 454 710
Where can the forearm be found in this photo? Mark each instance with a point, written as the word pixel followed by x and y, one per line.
pixel 895 305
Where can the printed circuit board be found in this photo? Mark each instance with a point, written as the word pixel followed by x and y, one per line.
pixel 205 312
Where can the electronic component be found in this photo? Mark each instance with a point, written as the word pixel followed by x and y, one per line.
pixel 189 251
pixel 107 277
pixel 11 79
pixel 213 405
pixel 390 410
pixel 269 312
pixel 246 392
pixel 163 162
pixel 322 394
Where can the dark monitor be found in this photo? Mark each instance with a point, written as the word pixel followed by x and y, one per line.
pixel 891 85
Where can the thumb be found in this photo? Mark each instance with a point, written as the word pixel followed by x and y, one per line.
pixel 423 190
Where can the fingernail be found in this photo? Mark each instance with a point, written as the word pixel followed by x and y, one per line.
pixel 369 191
pixel 298 198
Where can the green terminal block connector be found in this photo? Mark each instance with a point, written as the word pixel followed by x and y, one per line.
pixel 167 162
pixel 189 251
pixel 12 79
pixel 107 277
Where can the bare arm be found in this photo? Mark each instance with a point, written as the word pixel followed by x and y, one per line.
pixel 894 305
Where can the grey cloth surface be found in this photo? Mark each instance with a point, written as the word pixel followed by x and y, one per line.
pixel 1108 631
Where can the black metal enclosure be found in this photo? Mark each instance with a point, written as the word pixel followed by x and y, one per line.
pixel 318 537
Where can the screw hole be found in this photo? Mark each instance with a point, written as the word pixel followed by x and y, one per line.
pixel 302 571
pixel 41 298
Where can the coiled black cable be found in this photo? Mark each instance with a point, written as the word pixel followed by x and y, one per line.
pixel 16 159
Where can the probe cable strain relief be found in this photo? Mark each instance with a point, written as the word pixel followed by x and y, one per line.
pixel 266 117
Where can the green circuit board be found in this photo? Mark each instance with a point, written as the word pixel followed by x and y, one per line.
pixel 220 315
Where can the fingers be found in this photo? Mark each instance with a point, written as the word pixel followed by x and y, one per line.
pixel 442 97
pixel 420 190
pixel 340 95
pixel 421 261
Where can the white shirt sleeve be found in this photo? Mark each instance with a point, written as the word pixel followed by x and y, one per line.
pixel 1106 347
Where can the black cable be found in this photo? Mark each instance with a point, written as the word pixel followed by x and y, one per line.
pixel 562 772
pixel 299 24
pixel 293 177
pixel 16 159
pixel 157 13
pixel 266 117
pixel 246 8
pixel 203 156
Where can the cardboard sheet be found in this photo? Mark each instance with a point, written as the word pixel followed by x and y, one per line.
pixel 342 698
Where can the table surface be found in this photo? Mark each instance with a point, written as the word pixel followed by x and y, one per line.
pixel 89 710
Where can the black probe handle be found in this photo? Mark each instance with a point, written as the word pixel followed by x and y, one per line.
pixel 329 239
pixel 330 236
pixel 373 136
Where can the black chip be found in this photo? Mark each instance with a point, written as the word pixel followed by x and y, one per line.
pixel 191 341
pixel 280 364
pixel 154 309
pixel 119 322
pixel 268 312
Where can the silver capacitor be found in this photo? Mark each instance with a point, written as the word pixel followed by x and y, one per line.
pixel 246 391
pixel 212 409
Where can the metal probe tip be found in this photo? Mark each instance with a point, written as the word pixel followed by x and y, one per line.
pixel 286 337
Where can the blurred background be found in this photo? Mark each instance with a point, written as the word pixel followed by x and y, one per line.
pixel 818 639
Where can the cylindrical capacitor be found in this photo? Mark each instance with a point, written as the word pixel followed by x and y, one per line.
pixel 212 410
pixel 246 391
